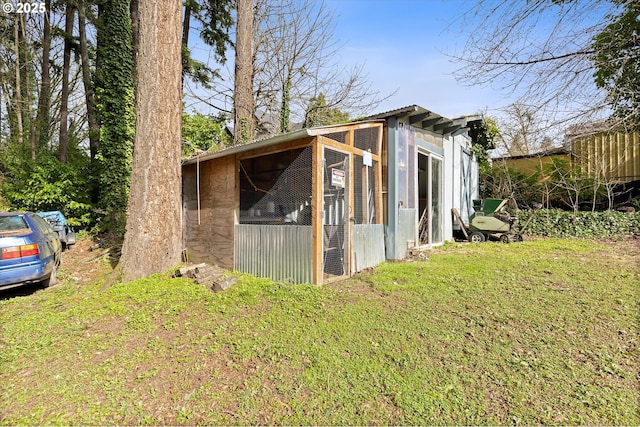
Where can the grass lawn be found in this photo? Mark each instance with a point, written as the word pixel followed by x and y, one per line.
pixel 541 332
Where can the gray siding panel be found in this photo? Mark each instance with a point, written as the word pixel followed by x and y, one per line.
pixel 406 231
pixel 367 245
pixel 280 252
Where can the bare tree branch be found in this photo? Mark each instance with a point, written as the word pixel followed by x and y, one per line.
pixel 539 51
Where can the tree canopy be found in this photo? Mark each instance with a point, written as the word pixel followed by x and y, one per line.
pixel 320 114
pixel 617 61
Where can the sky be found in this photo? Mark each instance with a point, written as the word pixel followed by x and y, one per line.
pixel 405 46
pixel 406 49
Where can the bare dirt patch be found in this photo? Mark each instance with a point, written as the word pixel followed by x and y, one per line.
pixel 85 262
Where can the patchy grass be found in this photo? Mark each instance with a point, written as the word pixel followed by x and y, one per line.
pixel 543 332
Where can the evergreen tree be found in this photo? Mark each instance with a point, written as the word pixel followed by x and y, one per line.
pixel 319 114
pixel 154 220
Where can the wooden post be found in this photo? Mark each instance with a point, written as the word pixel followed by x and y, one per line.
pixel 377 176
pixel 365 194
pixel 456 213
pixel 317 207
pixel 349 211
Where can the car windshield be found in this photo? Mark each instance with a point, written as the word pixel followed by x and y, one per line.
pixel 12 225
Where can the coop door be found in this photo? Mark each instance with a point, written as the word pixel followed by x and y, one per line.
pixel 429 199
pixel 336 213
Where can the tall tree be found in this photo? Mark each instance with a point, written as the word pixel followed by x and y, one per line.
pixel 153 233
pixel 64 98
pixel 244 126
pixel 24 45
pixel 18 95
pixel 189 6
pixel 26 77
pixel 87 80
pixel 213 20
pixel 43 119
pixel 522 131
pixel 21 88
pixel 117 110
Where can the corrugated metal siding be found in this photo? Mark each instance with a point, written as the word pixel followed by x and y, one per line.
pixel 615 156
pixel 280 252
pixel 367 242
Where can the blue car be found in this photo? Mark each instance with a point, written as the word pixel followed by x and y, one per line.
pixel 59 224
pixel 30 250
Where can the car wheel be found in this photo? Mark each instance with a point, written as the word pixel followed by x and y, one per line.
pixel 52 279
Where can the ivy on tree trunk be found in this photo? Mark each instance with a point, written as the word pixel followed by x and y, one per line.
pixel 116 104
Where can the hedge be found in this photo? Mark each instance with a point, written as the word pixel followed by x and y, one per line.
pixel 559 223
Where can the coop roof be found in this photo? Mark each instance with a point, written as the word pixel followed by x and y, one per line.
pixel 274 140
pixel 425 119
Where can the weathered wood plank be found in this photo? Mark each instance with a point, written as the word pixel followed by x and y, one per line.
pixel 210 232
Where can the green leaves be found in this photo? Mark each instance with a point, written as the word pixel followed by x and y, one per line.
pixel 617 61
pixel 49 185
pixel 116 104
pixel 319 114
pixel 200 132
pixel 558 223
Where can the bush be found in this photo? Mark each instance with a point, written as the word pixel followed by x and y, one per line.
pixel 559 223
pixel 49 185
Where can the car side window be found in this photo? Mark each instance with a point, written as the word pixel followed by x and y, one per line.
pixel 41 224
pixel 46 225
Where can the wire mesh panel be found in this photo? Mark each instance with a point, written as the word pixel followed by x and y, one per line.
pixel 274 237
pixel 338 136
pixel 335 192
pixel 276 188
pixel 364 188
pixel 367 139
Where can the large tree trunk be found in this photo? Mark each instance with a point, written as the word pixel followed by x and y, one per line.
pixel 114 78
pixel 244 126
pixel 153 232
pixel 64 96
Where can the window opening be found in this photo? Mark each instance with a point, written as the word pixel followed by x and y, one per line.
pixel 276 188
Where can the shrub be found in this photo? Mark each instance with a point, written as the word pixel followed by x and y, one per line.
pixel 559 223
pixel 49 185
